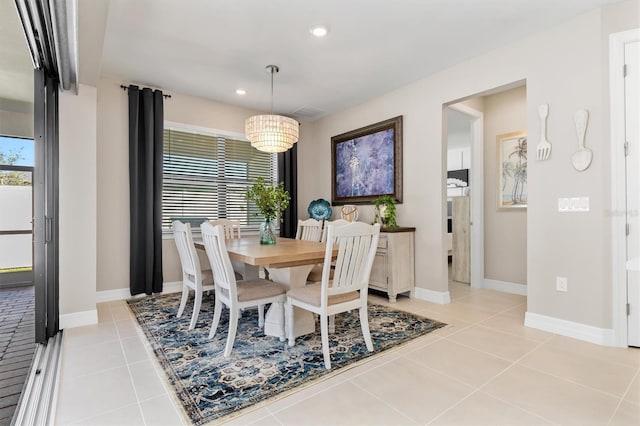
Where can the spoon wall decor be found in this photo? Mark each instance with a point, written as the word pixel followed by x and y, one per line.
pixel 581 159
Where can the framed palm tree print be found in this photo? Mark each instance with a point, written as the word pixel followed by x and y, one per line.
pixel 512 170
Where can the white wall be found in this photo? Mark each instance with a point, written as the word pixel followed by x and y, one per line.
pixel 77 198
pixel 505 230
pixel 18 124
pixel 15 214
pixel 564 67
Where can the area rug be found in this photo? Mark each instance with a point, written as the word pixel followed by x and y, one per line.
pixel 211 387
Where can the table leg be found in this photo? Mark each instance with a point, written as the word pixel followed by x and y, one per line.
pixel 248 272
pixel 305 323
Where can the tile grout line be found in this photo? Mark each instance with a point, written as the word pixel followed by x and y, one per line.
pixel 622 398
pixel 157 368
pixel 384 402
pixel 133 385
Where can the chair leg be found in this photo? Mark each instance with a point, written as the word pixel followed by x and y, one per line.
pixel 289 322
pixel 261 316
pixel 233 327
pixel 332 324
pixel 196 310
pixel 283 331
pixel 364 323
pixel 324 332
pixel 217 310
pixel 183 300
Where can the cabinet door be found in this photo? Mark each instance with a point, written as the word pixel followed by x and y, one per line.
pixel 378 277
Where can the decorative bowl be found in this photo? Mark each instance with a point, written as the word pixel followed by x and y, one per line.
pixel 319 209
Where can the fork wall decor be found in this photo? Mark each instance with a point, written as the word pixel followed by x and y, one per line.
pixel 543 149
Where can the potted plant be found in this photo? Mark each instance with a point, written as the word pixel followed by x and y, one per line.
pixel 271 201
pixel 386 211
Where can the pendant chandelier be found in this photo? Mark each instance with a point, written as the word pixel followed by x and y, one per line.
pixel 269 132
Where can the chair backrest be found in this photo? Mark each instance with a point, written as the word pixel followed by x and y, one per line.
pixel 186 250
pixel 231 228
pixel 337 222
pixel 357 244
pixel 213 238
pixel 309 230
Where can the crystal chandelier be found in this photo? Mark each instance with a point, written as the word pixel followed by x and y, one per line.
pixel 269 132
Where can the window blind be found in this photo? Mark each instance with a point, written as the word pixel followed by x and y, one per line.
pixel 206 176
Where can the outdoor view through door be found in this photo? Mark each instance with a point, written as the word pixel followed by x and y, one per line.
pixel 16 194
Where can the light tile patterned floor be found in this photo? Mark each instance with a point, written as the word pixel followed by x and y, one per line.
pixel 486 368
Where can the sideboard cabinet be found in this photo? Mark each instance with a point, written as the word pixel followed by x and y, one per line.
pixel 393 269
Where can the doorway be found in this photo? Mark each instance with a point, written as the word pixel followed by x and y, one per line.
pixel 497 244
pixel 464 194
pixel 16 221
pixel 625 157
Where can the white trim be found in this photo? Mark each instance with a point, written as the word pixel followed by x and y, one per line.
pixel 125 293
pixel 506 287
pixel 78 319
pixel 190 128
pixel 37 404
pixel 618 178
pixel 476 183
pixel 587 333
pixel 440 297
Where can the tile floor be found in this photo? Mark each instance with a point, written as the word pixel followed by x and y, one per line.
pixel 486 368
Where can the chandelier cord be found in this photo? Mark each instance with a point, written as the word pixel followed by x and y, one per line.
pixel 272 71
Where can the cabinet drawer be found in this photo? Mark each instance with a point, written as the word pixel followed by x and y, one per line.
pixel 382 242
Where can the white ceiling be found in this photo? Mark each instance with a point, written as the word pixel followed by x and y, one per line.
pixel 209 48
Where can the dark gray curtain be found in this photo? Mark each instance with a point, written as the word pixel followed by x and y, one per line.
pixel 146 125
pixel 288 173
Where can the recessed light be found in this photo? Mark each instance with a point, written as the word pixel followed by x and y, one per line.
pixel 319 30
pixel 241 92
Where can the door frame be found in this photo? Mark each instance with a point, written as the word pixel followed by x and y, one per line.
pixel 476 183
pixel 617 42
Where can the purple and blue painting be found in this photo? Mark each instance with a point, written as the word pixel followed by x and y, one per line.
pixel 365 165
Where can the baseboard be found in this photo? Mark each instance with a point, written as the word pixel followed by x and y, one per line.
pixel 575 330
pixel 78 319
pixel 440 297
pixel 505 287
pixel 125 293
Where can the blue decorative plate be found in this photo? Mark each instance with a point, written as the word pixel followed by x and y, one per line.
pixel 319 209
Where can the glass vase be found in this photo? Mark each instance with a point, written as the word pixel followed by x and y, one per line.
pixel 268 232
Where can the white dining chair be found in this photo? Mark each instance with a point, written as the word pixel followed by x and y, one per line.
pixel 236 295
pixel 231 228
pixel 231 232
pixel 316 273
pixel 357 244
pixel 193 277
pixel 309 230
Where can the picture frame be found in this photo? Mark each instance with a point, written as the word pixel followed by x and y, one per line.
pixel 512 170
pixel 366 163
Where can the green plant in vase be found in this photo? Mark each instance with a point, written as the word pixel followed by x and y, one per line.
pixel 271 200
pixel 386 211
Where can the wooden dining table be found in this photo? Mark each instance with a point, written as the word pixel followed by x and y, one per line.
pixel 289 262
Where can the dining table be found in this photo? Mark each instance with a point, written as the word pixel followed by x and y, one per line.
pixel 289 262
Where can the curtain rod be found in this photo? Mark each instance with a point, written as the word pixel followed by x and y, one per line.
pixel 126 88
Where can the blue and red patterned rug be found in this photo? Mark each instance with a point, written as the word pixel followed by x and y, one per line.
pixel 211 387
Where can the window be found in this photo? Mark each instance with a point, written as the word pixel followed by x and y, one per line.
pixel 205 176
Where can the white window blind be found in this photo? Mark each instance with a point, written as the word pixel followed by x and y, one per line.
pixel 206 176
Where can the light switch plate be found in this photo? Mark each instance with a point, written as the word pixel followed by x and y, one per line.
pixel 573 204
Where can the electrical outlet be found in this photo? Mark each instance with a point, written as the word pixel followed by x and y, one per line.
pixel 561 283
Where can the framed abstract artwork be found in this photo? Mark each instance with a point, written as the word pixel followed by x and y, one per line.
pixel 367 163
pixel 512 170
